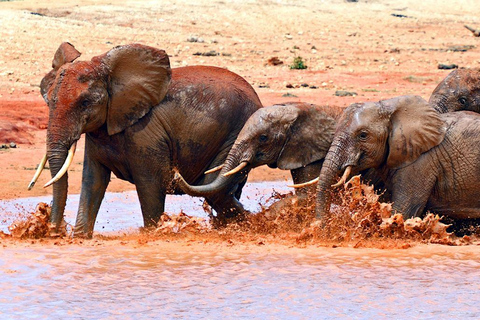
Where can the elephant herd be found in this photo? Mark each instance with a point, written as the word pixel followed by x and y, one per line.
pixel 200 130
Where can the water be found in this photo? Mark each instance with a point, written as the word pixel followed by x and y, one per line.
pixel 213 281
pixel 121 211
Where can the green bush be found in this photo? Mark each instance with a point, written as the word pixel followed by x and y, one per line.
pixel 298 63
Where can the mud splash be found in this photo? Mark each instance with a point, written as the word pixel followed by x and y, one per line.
pixel 358 219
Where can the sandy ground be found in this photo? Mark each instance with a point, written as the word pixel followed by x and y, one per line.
pixel 377 49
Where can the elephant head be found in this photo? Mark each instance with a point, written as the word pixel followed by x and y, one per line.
pixel 109 93
pixel 460 90
pixel 384 135
pixel 288 136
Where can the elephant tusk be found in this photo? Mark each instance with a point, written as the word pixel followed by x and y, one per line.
pixel 344 178
pixel 237 169
pixel 305 184
pixel 38 172
pixel 68 162
pixel 214 169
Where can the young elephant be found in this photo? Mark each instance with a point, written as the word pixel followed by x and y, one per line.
pixel 141 119
pixel 460 90
pixel 429 161
pixel 292 136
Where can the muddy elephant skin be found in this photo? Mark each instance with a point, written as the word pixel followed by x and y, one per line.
pixel 460 90
pixel 292 136
pixel 141 120
pixel 428 161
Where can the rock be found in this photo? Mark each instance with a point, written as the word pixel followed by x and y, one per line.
pixel 463 48
pixel 289 85
pixel 211 53
pixel 195 39
pixel 343 93
pixel 274 61
pixel 289 95
pixel 13 145
pixel 443 66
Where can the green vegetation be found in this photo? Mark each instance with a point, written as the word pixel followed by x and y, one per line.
pixel 298 63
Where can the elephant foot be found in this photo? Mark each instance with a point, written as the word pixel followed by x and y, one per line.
pixel 222 220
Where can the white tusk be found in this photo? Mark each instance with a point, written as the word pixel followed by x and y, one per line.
pixel 305 184
pixel 68 162
pixel 214 169
pixel 235 170
pixel 344 178
pixel 38 172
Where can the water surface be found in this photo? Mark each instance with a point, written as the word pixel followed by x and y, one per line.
pixel 162 281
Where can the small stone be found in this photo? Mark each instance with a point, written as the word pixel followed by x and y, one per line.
pixel 443 66
pixel 289 95
pixel 274 61
pixel 289 85
pixel 13 145
pixel 343 93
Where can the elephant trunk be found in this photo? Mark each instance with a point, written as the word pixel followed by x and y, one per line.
pixel 438 101
pixel 59 156
pixel 56 158
pixel 226 178
pixel 332 167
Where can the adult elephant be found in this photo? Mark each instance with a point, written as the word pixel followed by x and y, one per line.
pixel 141 120
pixel 292 136
pixel 460 90
pixel 429 161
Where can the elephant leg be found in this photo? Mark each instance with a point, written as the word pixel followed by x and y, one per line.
pixel 304 174
pixel 241 184
pixel 152 201
pixel 95 179
pixel 411 190
pixel 226 206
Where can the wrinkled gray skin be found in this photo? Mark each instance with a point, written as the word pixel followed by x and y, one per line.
pixel 292 136
pixel 428 161
pixel 460 90
pixel 141 120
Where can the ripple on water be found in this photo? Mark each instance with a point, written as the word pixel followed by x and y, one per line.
pixel 150 283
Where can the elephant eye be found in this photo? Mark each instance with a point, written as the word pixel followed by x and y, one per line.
pixel 85 103
pixel 263 138
pixel 363 135
pixel 462 100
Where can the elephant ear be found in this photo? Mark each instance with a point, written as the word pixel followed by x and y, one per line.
pixel 66 53
pixel 415 128
pixel 309 137
pixel 139 80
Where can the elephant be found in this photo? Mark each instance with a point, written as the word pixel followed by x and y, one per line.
pixel 141 119
pixel 293 136
pixel 428 160
pixel 460 90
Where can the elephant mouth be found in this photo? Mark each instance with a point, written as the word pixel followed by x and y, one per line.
pixel 238 168
pixel 345 176
pixel 60 173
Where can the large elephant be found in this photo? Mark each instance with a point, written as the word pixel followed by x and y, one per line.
pixel 428 161
pixel 141 120
pixel 460 90
pixel 293 136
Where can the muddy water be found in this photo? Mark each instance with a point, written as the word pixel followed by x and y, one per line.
pixel 121 211
pixel 164 281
